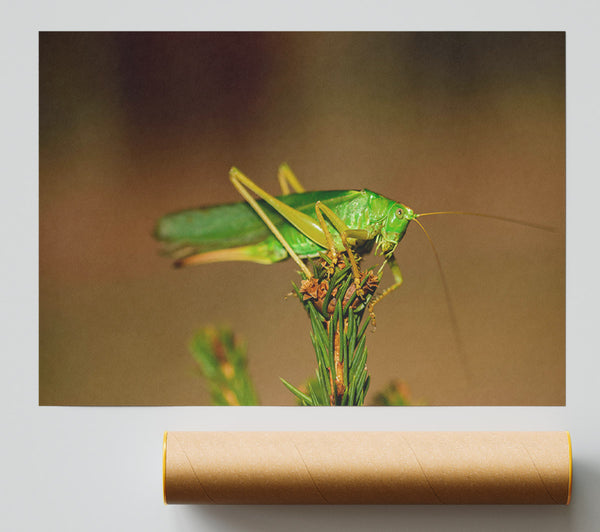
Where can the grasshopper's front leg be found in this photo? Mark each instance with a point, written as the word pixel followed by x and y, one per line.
pixel 395 269
pixel 345 233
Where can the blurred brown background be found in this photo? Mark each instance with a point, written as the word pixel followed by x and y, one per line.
pixel 134 125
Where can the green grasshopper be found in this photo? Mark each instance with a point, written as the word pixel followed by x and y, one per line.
pixel 300 225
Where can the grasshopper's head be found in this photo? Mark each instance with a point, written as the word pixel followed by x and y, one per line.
pixel 394 227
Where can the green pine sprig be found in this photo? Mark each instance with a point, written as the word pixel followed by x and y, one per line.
pixel 396 393
pixel 223 362
pixel 338 334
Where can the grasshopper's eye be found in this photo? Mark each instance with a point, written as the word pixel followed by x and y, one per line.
pixel 399 213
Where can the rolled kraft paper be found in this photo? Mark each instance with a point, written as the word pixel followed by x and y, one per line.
pixel 367 467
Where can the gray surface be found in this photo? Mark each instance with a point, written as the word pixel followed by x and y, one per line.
pixel 100 468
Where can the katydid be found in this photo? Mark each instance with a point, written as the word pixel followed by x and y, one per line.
pixel 300 225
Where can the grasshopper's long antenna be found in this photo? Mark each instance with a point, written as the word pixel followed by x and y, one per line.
pixel 453 320
pixel 493 216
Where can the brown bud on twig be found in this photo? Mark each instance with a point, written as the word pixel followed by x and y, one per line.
pixel 309 288
pixel 315 290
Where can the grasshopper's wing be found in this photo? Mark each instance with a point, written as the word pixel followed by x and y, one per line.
pixel 211 228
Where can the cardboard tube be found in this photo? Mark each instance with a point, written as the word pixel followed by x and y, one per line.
pixel 367 467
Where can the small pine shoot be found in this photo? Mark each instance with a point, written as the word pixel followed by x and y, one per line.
pixel 338 335
pixel 396 393
pixel 223 362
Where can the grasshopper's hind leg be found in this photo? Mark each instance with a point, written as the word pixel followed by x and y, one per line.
pixel 288 179
pixel 317 231
pixel 261 253
pixel 242 183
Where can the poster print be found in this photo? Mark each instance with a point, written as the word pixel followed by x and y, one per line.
pixel 137 126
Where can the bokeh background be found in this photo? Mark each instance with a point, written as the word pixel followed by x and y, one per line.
pixel 135 125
